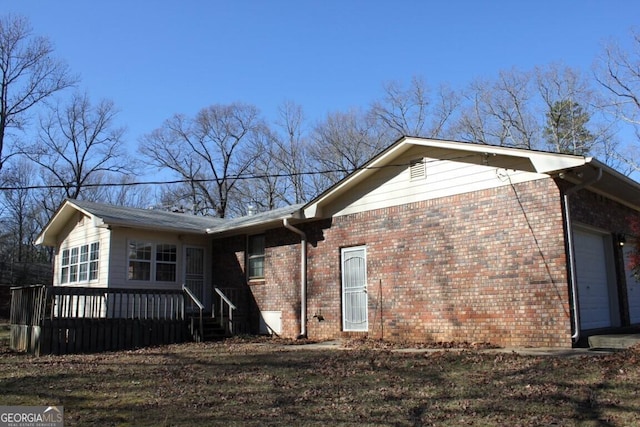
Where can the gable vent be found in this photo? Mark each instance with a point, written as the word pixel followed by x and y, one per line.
pixel 417 169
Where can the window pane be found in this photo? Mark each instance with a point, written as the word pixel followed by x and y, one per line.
pixel 166 253
pixel 93 270
pixel 139 270
pixel 73 273
pixel 256 245
pixel 140 260
pixel 256 267
pixel 74 256
pixel 82 272
pixel 165 272
pixel 84 253
pixel 95 251
pixel 255 262
pixel 64 275
pixel 140 250
pixel 65 257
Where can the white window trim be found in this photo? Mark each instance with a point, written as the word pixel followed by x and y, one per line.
pixel 78 264
pixel 153 261
pixel 263 256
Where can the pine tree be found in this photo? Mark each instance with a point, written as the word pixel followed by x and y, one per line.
pixel 566 130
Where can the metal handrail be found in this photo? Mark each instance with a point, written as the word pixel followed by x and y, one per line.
pixel 195 299
pixel 231 305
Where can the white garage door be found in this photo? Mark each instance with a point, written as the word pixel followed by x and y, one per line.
pixel 592 276
pixel 633 289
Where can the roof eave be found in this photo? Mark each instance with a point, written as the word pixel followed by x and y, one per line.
pixel 538 161
pixel 253 227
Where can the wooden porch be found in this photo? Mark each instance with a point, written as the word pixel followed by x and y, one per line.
pixel 66 319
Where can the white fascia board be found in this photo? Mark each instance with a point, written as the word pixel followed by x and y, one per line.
pixel 314 209
pixel 548 163
pixel 64 213
pixel 542 161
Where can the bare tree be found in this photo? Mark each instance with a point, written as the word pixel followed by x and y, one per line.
pixel 123 191
pixel 266 185
pixel 403 111
pixel 28 75
pixel 412 111
pixel 292 153
pixel 79 146
pixel 500 112
pixel 343 142
pixel 20 211
pixel 211 150
pixel 618 73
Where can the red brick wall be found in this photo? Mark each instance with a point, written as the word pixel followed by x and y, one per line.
pixel 598 211
pixel 594 210
pixel 280 289
pixel 487 266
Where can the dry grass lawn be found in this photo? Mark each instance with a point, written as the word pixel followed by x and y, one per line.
pixel 260 384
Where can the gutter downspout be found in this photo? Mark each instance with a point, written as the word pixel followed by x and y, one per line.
pixel 303 276
pixel 572 265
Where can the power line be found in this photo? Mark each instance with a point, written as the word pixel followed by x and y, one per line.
pixel 232 177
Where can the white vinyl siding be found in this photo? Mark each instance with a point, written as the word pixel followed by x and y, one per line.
pixel 119 262
pixel 398 185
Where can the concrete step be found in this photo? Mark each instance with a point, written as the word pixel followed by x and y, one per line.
pixel 616 341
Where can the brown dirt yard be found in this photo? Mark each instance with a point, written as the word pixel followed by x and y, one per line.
pixel 262 383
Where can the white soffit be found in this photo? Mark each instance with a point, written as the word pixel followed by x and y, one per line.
pixel 56 223
pixel 542 162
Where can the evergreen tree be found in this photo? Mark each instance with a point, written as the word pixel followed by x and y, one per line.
pixel 566 130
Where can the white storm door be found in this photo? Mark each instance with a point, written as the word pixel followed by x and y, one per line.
pixel 354 289
pixel 633 287
pixel 194 273
pixel 593 279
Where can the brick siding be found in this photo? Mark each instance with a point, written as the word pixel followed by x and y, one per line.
pixel 486 266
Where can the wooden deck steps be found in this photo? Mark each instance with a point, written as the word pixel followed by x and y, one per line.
pixel 212 329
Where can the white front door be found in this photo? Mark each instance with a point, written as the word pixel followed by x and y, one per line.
pixel 592 273
pixel 194 273
pixel 354 289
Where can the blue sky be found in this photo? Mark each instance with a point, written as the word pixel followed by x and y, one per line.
pixel 156 58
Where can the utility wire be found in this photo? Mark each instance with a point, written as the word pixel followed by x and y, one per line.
pixel 232 177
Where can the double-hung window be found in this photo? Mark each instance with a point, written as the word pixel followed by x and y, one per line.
pixel 80 263
pixel 255 256
pixel 150 261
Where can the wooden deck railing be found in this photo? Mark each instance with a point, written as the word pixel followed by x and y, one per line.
pixel 225 302
pixel 66 319
pixel 195 301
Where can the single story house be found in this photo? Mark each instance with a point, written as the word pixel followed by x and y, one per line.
pixel 431 240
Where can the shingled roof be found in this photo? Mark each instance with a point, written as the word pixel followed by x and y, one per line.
pixel 106 215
